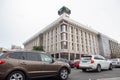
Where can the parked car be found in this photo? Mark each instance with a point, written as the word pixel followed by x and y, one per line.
pixel 76 63
pixel 66 61
pixel 95 62
pixel 116 62
pixel 21 65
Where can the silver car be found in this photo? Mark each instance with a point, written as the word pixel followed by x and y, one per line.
pixel 116 62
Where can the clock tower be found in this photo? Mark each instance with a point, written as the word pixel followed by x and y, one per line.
pixel 64 11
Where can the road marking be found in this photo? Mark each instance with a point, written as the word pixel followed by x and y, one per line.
pixel 116 78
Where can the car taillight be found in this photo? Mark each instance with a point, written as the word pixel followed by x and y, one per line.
pixel 118 62
pixel 92 61
pixel 2 61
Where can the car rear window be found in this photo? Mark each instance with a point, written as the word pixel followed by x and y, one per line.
pixel 86 57
pixel 114 59
pixel 1 55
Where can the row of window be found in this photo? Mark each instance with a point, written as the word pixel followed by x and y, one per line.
pixel 30 56
pixel 64 37
pixel 64 45
pixel 52 47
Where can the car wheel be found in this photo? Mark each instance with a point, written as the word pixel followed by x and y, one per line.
pixel 63 74
pixel 98 69
pixel 84 70
pixel 110 67
pixel 16 75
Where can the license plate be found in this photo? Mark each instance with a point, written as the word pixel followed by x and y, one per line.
pixel 84 61
pixel 113 62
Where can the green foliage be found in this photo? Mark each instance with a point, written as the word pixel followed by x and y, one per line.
pixel 38 48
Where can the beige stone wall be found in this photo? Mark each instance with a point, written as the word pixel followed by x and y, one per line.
pixel 78 40
pixel 114 47
pixel 34 42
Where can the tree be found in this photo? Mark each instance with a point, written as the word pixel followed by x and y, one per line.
pixel 38 48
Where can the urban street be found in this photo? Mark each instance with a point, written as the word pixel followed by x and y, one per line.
pixel 77 74
pixel 40 39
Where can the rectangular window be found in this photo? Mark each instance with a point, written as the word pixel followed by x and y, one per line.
pixel 82 48
pixel 76 31
pixel 51 40
pixel 63 36
pixel 71 29
pixel 56 46
pixel 56 38
pixel 87 48
pixel 56 30
pixel 72 37
pixel 72 46
pixel 51 47
pixel 63 27
pixel 51 35
pixel 77 47
pixel 81 33
pixel 77 39
pixel 64 45
pixel 47 48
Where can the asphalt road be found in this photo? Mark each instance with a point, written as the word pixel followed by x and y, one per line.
pixel 91 75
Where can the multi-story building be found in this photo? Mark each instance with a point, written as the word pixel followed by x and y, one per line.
pixel 114 47
pixel 66 38
pixel 104 46
pixel 119 50
pixel 15 47
pixel 3 49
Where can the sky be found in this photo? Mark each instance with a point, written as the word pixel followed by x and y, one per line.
pixel 21 19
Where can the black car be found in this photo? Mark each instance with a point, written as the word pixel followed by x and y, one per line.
pixel 66 61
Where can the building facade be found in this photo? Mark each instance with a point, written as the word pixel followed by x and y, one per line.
pixel 104 46
pixel 3 49
pixel 66 38
pixel 13 47
pixel 119 50
pixel 115 49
